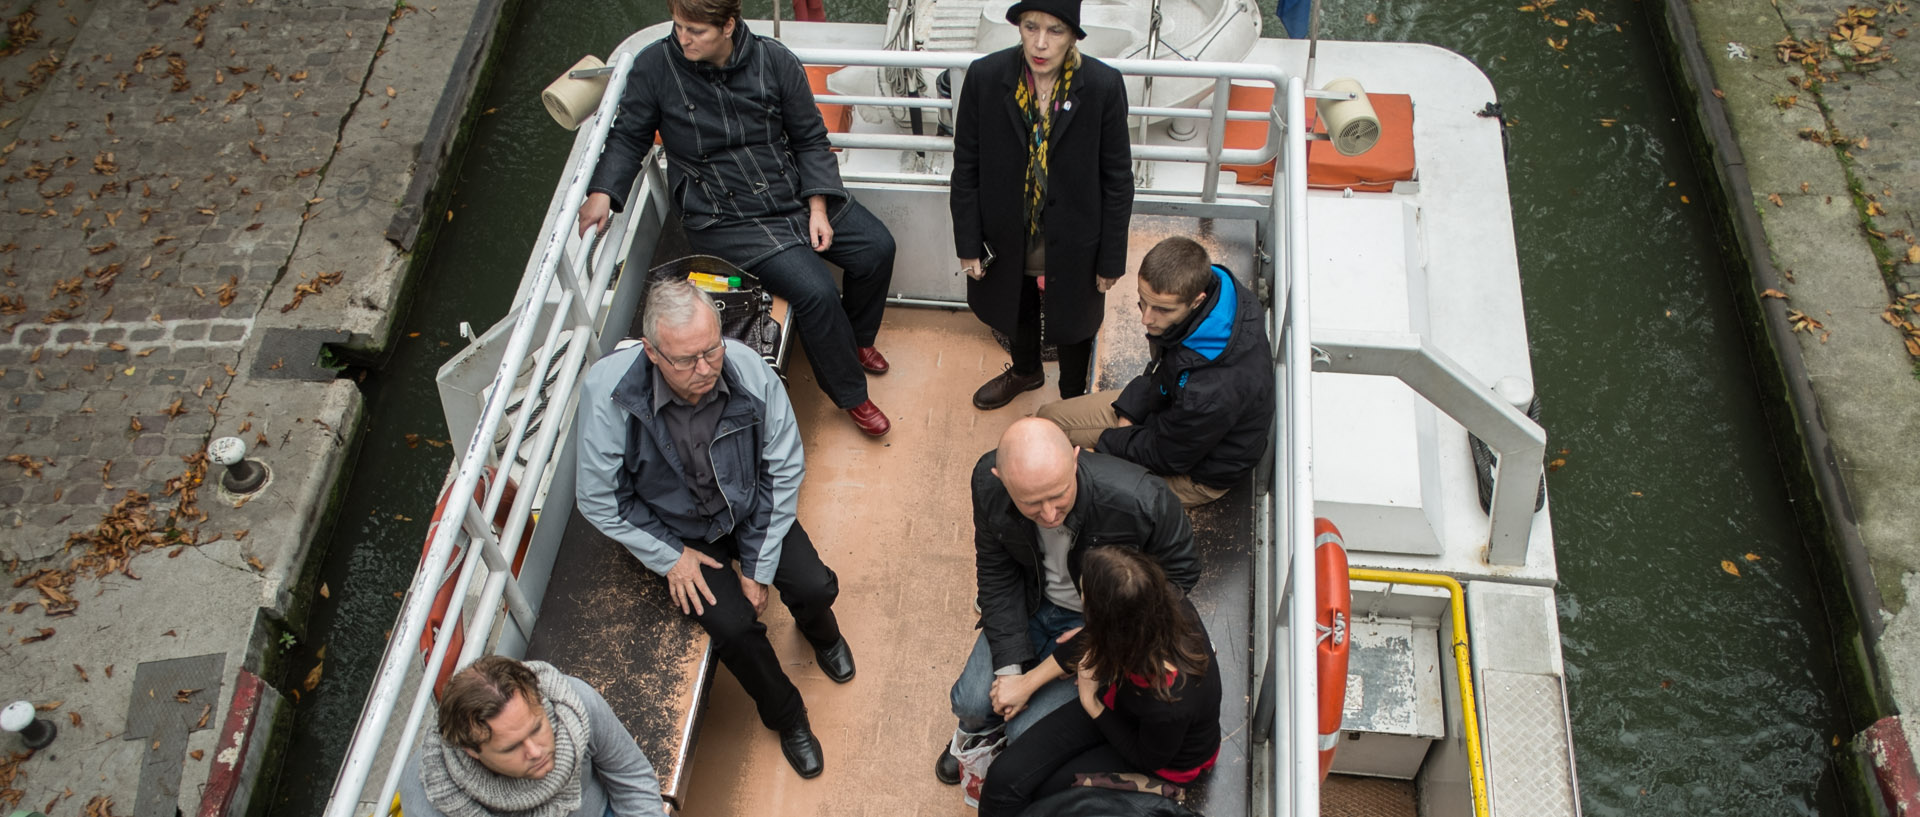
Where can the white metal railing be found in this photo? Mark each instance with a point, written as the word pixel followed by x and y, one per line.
pixel 475 460
pixel 1212 155
pixel 568 297
pixel 1295 789
pixel 1516 438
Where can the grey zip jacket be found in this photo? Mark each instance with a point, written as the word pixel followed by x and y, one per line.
pixel 630 482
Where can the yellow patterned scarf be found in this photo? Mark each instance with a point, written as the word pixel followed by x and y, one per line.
pixel 1039 126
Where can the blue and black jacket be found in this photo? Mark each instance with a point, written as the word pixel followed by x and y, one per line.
pixel 1205 402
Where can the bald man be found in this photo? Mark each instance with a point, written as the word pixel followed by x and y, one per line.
pixel 1038 504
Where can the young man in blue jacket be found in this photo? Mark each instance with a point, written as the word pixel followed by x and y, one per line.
pixel 1198 416
pixel 689 456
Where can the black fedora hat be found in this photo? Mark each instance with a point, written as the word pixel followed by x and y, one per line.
pixel 1067 10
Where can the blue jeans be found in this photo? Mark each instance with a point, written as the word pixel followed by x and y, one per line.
pixel 834 323
pixel 972 693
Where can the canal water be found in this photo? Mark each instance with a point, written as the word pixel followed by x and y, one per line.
pixel 1700 666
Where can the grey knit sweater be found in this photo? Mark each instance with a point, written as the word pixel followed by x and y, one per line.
pixel 616 777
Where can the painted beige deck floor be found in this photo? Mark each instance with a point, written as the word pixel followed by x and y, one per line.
pixel 893 518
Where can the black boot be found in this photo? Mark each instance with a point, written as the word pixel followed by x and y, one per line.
pixel 1005 386
pixel 946 769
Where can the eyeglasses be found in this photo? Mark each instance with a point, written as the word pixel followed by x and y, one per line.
pixel 711 356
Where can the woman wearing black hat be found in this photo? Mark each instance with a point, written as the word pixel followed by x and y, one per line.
pixel 1042 191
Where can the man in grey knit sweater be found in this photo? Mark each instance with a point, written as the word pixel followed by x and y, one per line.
pixel 526 740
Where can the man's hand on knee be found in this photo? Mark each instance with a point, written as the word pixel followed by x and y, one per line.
pixel 756 594
pixel 688 585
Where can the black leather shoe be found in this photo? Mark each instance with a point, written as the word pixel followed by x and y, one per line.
pixel 802 749
pixel 1005 386
pixel 836 660
pixel 947 768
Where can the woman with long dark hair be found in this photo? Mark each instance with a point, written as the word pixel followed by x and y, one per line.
pixel 1149 698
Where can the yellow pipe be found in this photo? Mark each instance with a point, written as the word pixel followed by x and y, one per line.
pixel 1463 664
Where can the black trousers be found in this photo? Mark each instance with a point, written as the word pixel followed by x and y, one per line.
pixel 1045 759
pixel 808 588
pixel 833 323
pixel 1075 358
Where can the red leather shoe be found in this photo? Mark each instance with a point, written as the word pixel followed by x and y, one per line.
pixel 870 419
pixel 871 360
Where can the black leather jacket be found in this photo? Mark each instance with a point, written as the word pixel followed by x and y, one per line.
pixel 1118 503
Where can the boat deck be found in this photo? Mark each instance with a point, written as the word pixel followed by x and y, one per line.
pixel 1431 262
pixel 891 517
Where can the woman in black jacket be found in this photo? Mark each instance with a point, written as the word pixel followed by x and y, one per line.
pixel 1042 192
pixel 752 173
pixel 1149 691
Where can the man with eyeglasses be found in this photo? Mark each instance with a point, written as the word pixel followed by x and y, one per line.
pixel 690 458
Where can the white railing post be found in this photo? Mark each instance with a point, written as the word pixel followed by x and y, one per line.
pixel 391 676
pixel 1216 139
pixel 1456 392
pixel 1304 709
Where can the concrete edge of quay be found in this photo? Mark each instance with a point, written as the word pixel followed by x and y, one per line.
pixel 1882 778
pixel 201 709
pixel 259 721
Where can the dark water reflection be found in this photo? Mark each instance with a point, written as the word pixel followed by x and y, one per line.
pixel 1693 691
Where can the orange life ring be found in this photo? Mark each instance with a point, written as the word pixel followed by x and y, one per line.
pixel 1335 596
pixel 443 598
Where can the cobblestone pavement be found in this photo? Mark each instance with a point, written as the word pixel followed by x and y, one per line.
pixel 192 198
pixel 152 199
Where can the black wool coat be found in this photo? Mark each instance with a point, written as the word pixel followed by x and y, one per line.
pixel 1089 193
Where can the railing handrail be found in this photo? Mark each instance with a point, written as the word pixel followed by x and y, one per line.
pixel 1517 439
pixel 1212 155
pixel 1300 763
pixel 1288 197
pixel 390 678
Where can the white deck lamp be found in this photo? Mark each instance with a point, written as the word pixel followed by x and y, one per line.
pixel 1352 125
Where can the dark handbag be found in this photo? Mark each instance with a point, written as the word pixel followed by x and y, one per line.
pixel 745 313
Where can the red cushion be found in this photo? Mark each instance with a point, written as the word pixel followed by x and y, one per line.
pixel 1391 160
